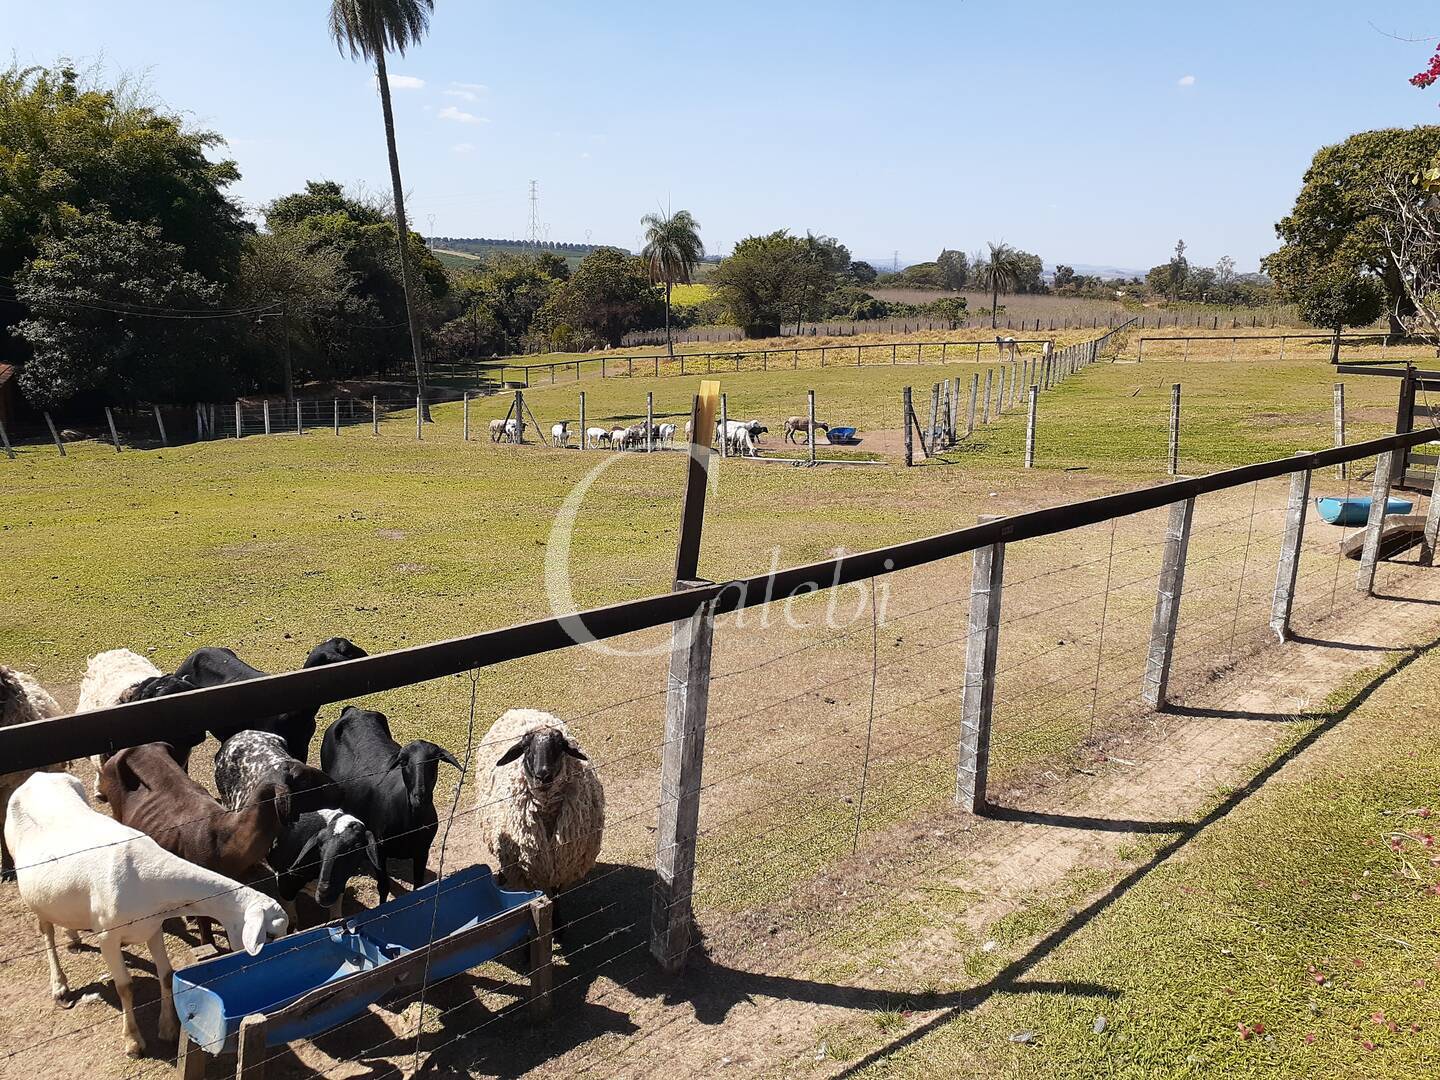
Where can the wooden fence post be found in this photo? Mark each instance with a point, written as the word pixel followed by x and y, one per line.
pixel 250 1054
pixel 906 410
pixel 336 403
pixel 542 955
pixel 114 435
pixel 1340 424
pixel 299 417
pixel 1014 384
pixel 420 417
pixel 375 415
pixel 56 435
pixel 934 419
pixel 159 423
pixel 465 414
pixel 5 439
pixel 1288 570
pixel 724 427
pixel 970 415
pixel 985 412
pixel 1167 604
pixel 1432 524
pixel 1375 525
pixel 982 648
pixel 810 400
pixel 582 420
pixel 1173 465
pixel 265 413
pixel 520 416
pixel 1030 426
pixel 650 420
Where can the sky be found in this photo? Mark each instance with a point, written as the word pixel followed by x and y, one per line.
pixel 1096 133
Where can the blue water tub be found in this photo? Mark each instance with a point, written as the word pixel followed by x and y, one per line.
pixel 1356 511
pixel 212 997
pixel 840 435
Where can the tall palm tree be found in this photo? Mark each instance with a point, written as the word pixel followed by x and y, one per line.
pixel 369 29
pixel 1000 273
pixel 672 248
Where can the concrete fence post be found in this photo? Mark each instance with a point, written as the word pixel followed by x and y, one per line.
pixel 335 402
pixel 520 416
pixel 419 418
pixel 265 414
pixel 299 417
pixel 159 424
pixel 59 444
pixel 982 649
pixel 465 415
pixel 1030 426
pixel 5 439
pixel 1375 524
pixel 724 427
pixel 985 412
pixel 1339 406
pixel 582 420
pixel 650 420
pixel 1173 461
pixel 970 414
pixel 114 435
pixel 1014 384
pixel 906 412
pixel 1167 604
pixel 1288 570
pixel 239 420
pixel 933 433
pixel 375 415
pixel 681 766
pixel 810 401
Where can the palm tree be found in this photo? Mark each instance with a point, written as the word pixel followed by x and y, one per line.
pixel 370 28
pixel 1000 273
pixel 672 248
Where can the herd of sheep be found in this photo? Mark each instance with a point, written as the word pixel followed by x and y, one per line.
pixel 741 437
pixel 170 848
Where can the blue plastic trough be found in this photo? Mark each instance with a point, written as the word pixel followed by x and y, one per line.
pixel 308 982
pixel 1357 511
pixel 840 435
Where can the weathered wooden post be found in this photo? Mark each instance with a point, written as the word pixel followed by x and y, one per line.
pixel 1030 426
pixel 299 417
pixel 1431 533
pixel 686 707
pixel 542 955
pixel 520 416
pixel 335 402
pixel 650 420
pixel 265 413
pixel 5 439
pixel 970 415
pixel 985 412
pixel 238 420
pixel 583 428
pixel 1014 384
pixel 724 427
pixel 982 648
pixel 374 415
pixel 160 424
pixel 1173 461
pixel 59 445
pixel 114 435
pixel 1167 604
pixel 1340 424
pixel 810 399
pixel 465 415
pixel 1288 570
pixel 906 411
pixel 1375 524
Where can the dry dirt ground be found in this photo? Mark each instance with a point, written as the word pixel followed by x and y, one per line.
pixel 799 938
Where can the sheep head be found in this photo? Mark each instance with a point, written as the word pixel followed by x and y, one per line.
pixel 544 750
pixel 419 764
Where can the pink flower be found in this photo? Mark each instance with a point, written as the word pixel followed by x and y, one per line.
pixel 1310 1037
pixel 1378 1018
pixel 1367 1044
pixel 1243 1030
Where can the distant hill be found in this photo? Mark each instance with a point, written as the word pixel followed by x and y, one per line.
pixel 480 247
pixel 1091 270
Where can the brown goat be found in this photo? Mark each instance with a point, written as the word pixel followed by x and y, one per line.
pixel 148 790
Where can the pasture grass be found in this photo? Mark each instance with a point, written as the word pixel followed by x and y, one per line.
pixel 1295 937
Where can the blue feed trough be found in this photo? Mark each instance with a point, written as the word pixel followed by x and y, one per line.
pixel 1357 511
pixel 308 982
pixel 840 435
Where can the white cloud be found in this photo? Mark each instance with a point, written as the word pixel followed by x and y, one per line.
pixel 585 155
pixel 463 147
pixel 466 91
pixel 460 116
pixel 1185 80
pixel 406 82
pixel 463 95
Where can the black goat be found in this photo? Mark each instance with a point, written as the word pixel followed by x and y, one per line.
pixel 218 666
pixel 391 788
pixel 326 847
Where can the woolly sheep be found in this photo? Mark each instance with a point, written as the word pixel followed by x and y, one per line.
pixel 542 806
pixel 22 700
pixel 560 434
pixel 82 870
pixel 118 676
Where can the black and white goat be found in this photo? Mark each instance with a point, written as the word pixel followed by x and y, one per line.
pixel 391 788
pixel 322 851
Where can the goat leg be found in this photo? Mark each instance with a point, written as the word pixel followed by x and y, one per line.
pixel 115 961
pixel 59 988
pixel 169 1023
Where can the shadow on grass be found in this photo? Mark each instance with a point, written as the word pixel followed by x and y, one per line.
pixel 1010 979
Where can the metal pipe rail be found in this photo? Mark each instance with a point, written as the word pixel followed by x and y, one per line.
pixel 45 742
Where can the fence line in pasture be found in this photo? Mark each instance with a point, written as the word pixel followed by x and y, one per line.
pixel 1144 581
pixel 1318 337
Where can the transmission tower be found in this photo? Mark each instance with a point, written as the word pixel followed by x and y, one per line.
pixel 895 265
pixel 532 232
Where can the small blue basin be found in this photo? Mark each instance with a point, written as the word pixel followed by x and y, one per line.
pixel 1356 511
pixel 212 997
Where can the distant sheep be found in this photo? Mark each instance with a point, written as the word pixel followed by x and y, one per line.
pixel 597 436
pixel 82 870
pixel 560 434
pixel 22 700
pixel 667 434
pixel 795 425
pixel 1006 344
pixel 617 438
pixel 542 806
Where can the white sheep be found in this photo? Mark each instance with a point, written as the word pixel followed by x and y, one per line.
pixel 542 806
pixel 110 679
pixel 497 429
pixel 597 436
pixel 560 433
pixel 82 870
pixel 618 438
pixel 22 700
pixel 667 434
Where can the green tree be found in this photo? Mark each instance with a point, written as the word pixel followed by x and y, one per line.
pixel 1000 273
pixel 861 272
pixel 672 248
pixel 1064 276
pixel 104 305
pixel 1337 218
pixel 1179 270
pixel 608 295
pixel 1335 296
pixel 954 269
pixel 370 28
pixel 68 149
pixel 769 278
pixel 501 301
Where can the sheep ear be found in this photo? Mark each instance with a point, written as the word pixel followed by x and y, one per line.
pixel 575 751
pixel 372 852
pixel 521 745
pixel 281 794
pixel 253 934
pixel 445 755
pixel 306 850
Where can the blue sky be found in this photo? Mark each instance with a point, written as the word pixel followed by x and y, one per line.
pixel 1091 133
